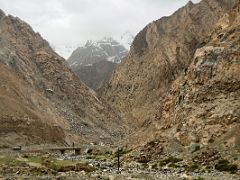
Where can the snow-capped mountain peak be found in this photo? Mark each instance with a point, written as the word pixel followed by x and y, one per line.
pixel 106 49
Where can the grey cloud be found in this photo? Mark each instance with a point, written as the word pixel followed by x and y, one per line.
pixel 75 21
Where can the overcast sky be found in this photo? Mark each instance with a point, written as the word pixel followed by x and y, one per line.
pixel 66 22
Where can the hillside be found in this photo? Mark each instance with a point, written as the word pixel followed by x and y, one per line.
pixel 203 105
pixel 42 100
pixel 161 52
pixel 201 108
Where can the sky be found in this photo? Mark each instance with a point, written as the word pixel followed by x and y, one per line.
pixel 71 22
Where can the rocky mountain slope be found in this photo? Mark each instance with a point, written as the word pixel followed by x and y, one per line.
pixel 199 118
pixel 95 75
pixel 161 52
pixel 203 105
pixel 95 62
pixel 42 100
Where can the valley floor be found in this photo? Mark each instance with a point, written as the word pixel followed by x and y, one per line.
pixel 98 163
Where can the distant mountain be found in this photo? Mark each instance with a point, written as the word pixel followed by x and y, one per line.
pixel 64 50
pixel 85 61
pixel 126 39
pixel 106 49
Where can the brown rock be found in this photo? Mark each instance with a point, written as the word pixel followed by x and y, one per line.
pixel 42 100
pixel 84 167
pixel 161 52
pixel 205 102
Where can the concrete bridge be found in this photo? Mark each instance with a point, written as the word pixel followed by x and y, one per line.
pixel 62 150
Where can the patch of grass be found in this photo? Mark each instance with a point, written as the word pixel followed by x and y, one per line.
pixel 199 178
pixel 191 167
pixel 35 159
pixel 224 165
pixel 171 160
pixel 10 161
pixel 90 157
pixel 173 165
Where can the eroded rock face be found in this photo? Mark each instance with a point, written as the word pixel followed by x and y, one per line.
pixel 95 75
pixel 204 105
pixel 161 52
pixel 42 100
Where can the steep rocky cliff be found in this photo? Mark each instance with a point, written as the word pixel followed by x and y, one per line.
pixel 42 100
pixel 159 54
pixel 95 62
pixel 199 117
pixel 203 106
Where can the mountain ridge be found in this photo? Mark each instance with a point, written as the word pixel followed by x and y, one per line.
pixel 159 54
pixel 95 62
pixel 57 94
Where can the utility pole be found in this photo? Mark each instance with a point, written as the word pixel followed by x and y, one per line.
pixel 73 150
pixel 118 159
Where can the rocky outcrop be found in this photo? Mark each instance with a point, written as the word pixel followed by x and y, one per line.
pixel 95 75
pixel 95 62
pixel 203 106
pixel 42 100
pixel 161 52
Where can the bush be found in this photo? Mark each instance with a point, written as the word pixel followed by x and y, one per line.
pixel 211 140
pixel 154 166
pixel 191 167
pixel 195 148
pixel 224 165
pixel 173 165
pixel 143 160
pixel 122 151
pixel 199 178
pixel 171 160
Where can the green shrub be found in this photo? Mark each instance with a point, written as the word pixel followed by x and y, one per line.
pixel 143 160
pixel 168 160
pixel 199 178
pixel 173 165
pixel 195 148
pixel 191 167
pixel 155 166
pixel 122 151
pixel 224 165
pixel 211 140
pixel 10 161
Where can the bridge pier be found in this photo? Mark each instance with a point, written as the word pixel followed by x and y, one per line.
pixel 62 151
pixel 77 151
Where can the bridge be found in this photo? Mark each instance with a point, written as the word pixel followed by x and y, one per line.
pixel 62 150
pixel 76 150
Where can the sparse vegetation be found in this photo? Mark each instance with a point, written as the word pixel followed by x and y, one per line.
pixel 143 160
pixel 196 148
pixel 155 166
pixel 199 178
pixel 173 165
pixel 224 165
pixel 211 140
pixel 191 167
pixel 122 151
pixel 171 160
pixel 10 161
